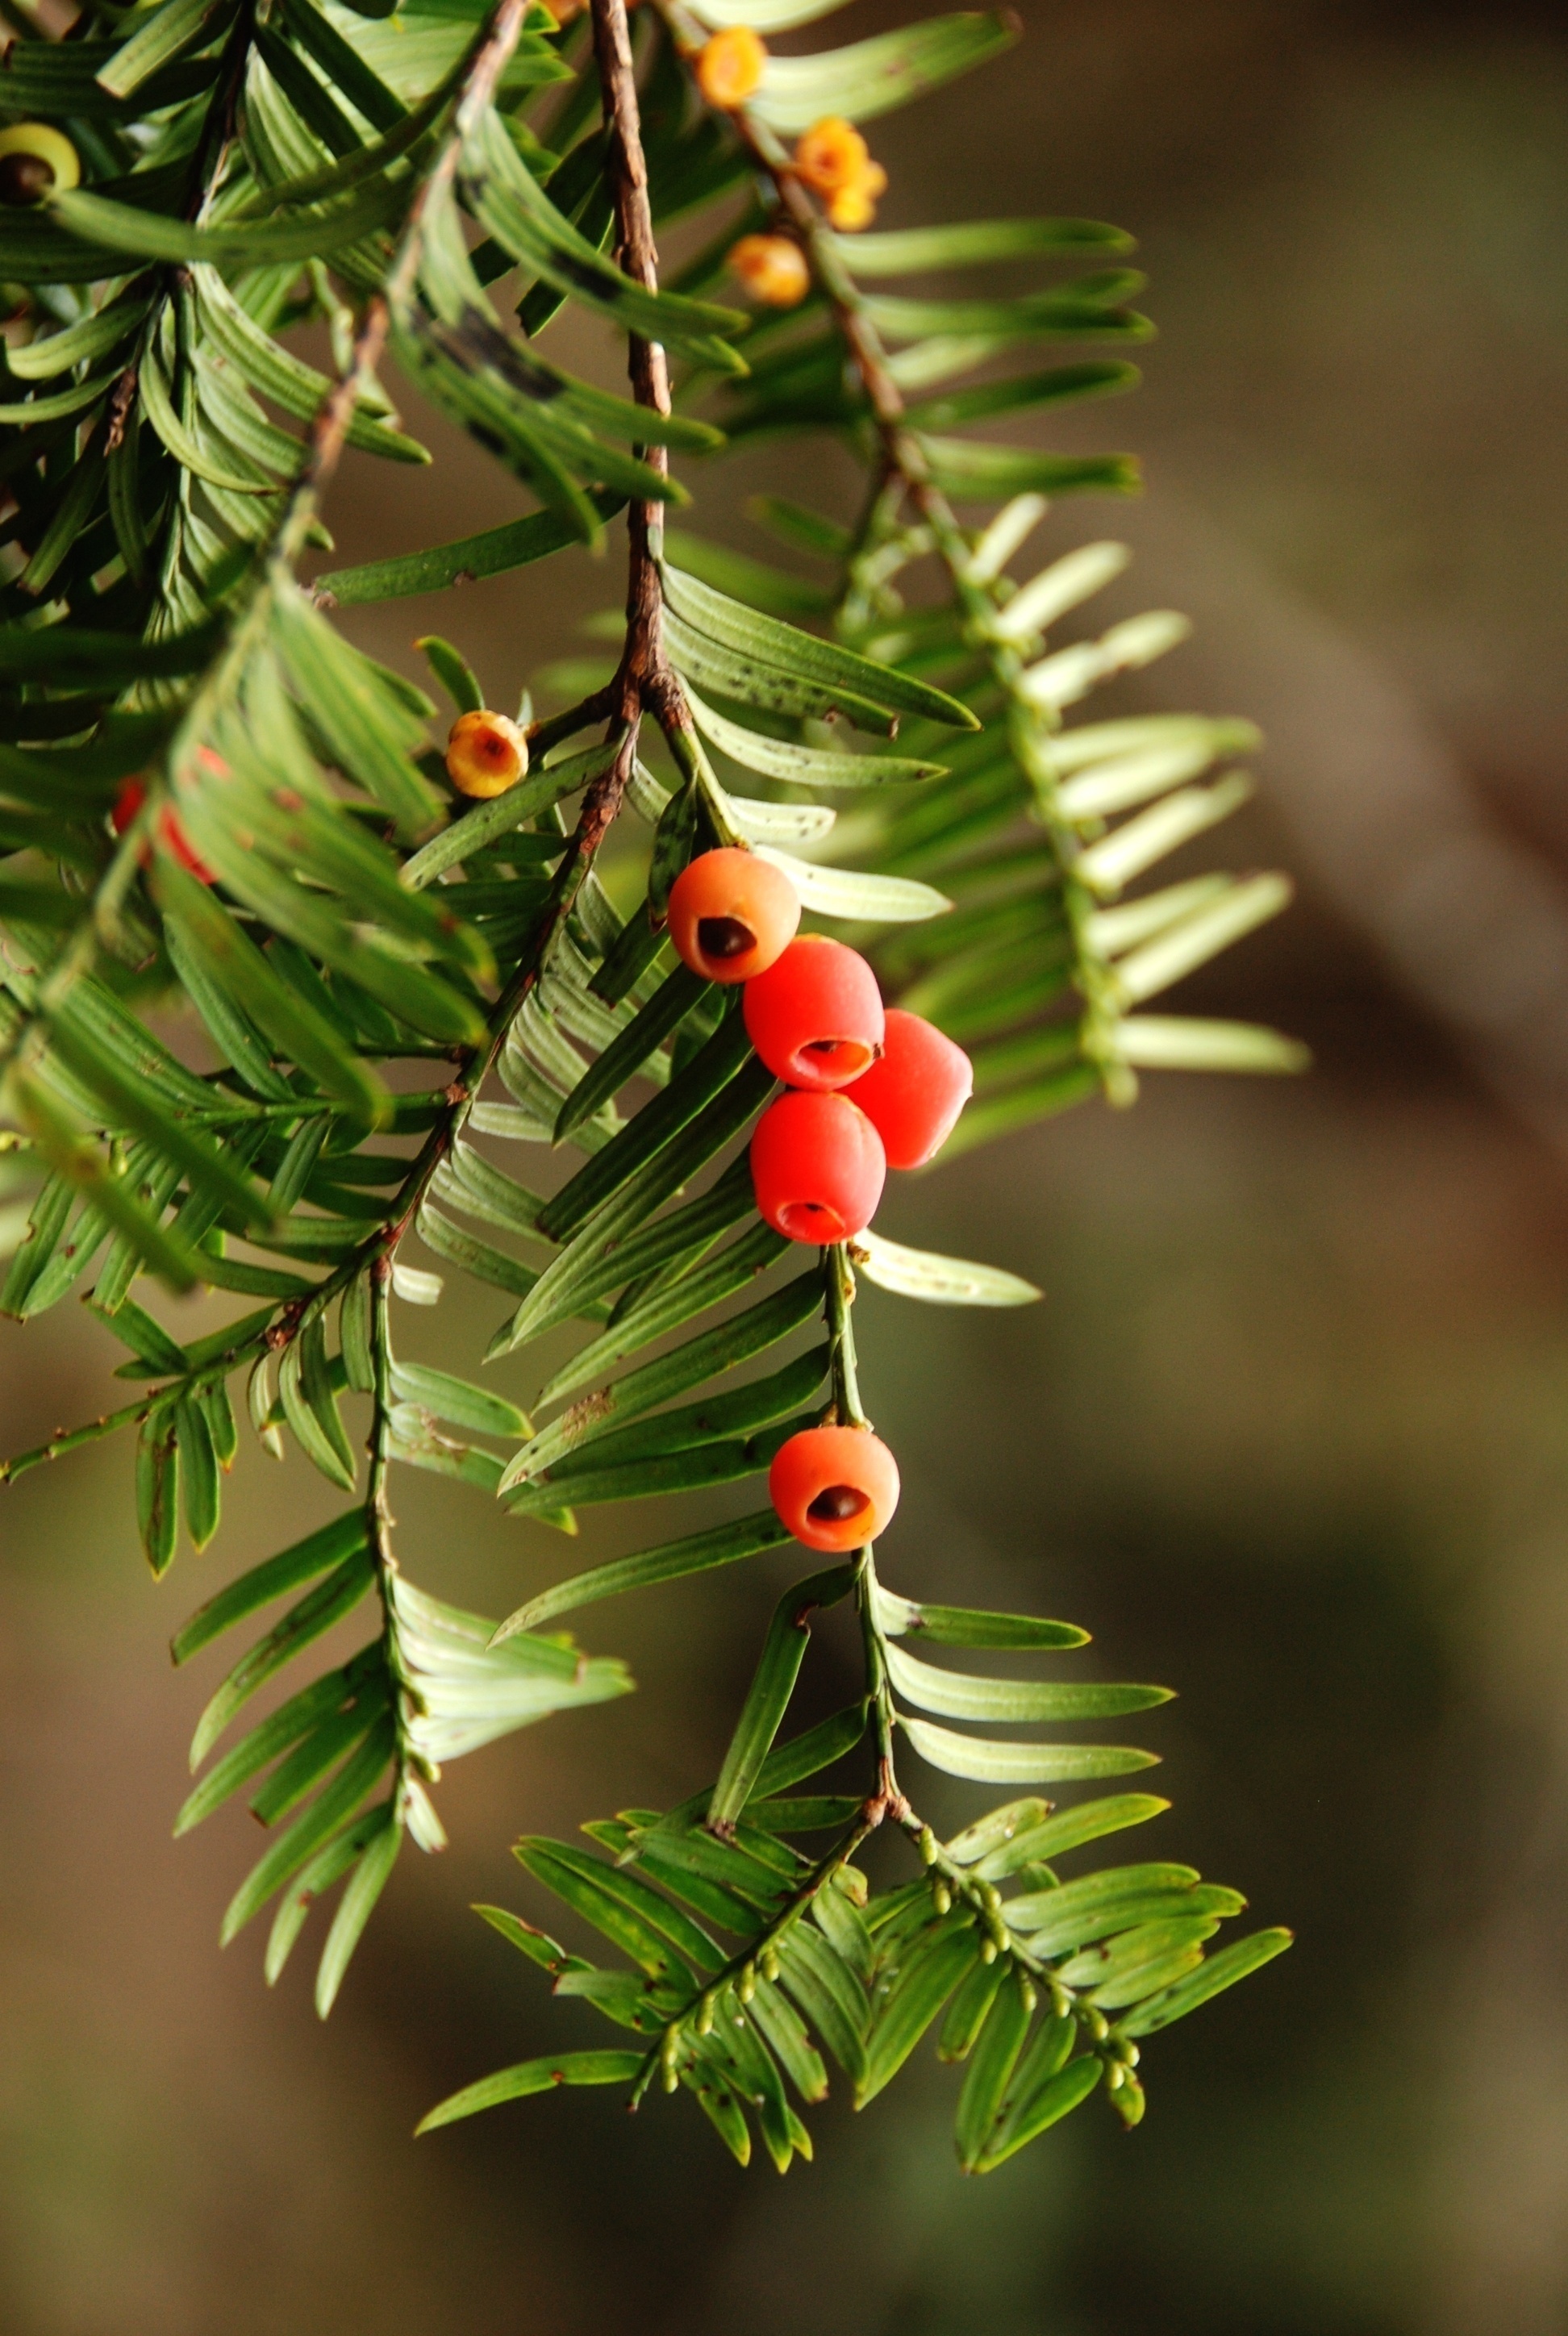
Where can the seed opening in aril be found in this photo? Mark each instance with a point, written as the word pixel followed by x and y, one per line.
pixel 724 936
pixel 811 1221
pixel 836 1504
pixel 25 180
pixel 847 1057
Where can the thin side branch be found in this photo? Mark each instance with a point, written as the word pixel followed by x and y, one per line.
pixel 644 680
pixel 907 474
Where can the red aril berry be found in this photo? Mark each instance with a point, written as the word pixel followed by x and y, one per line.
pixel 172 836
pixel 731 915
pixel 815 1016
pixel 835 1488
pixel 816 1167
pixel 913 1095
pixel 126 803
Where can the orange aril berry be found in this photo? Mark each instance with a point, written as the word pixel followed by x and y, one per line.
pixel 831 155
pixel 731 915
pixel 773 268
pixel 485 754
pixel 817 1168
pixel 730 67
pixel 835 1488
pixel 855 207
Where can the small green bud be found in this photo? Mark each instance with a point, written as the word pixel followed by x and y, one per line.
pixel 927 1846
pixel 1129 2103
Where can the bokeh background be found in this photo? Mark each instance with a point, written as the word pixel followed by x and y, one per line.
pixel 1289 1431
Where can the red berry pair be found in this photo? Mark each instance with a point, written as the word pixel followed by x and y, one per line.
pixel 874 1090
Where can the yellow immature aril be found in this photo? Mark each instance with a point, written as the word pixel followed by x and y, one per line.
pixel 855 207
pixel 35 162
pixel 730 67
pixel 834 161
pixel 485 754
pixel 773 268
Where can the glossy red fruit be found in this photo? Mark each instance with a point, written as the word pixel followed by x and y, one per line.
pixel 817 1167
pixel 815 1016
pixel 129 801
pixel 835 1488
pixel 913 1095
pixel 731 915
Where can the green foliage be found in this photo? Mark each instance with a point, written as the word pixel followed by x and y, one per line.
pixel 216 813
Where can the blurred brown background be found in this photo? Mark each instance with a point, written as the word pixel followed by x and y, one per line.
pixel 1289 1431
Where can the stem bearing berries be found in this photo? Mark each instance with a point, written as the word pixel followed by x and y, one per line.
pixel 35 162
pixel 731 915
pixel 835 1488
pixel 730 68
pixel 913 1095
pixel 485 754
pixel 815 1016
pixel 773 268
pixel 817 1168
pixel 833 160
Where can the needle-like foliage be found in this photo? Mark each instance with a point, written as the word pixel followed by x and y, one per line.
pixel 263 976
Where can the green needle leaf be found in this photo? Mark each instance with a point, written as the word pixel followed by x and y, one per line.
pixel 772 1685
pixel 532 2077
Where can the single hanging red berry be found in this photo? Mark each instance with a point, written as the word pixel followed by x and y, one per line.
pixel 817 1167
pixel 815 1016
pixel 914 1093
pixel 836 1487
pixel 731 915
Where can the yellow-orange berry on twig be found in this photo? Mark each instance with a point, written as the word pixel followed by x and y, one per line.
pixel 831 155
pixel 730 67
pixel 772 269
pixel 853 207
pixel 485 754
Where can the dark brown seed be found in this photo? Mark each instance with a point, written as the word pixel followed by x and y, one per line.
pixel 724 936
pixel 25 180
pixel 835 1503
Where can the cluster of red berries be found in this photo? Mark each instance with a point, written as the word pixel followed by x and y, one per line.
pixel 820 1155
